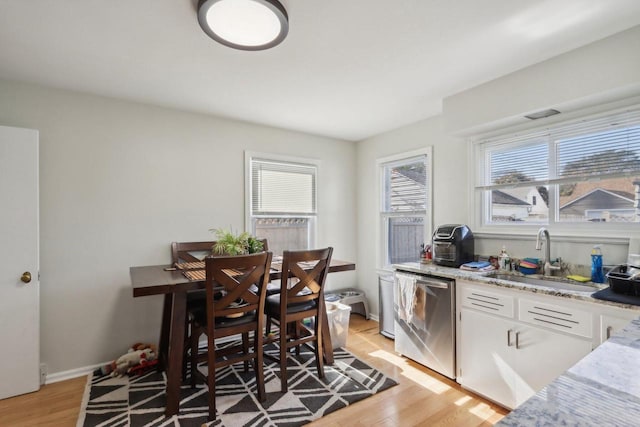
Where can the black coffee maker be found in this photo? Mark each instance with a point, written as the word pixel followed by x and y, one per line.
pixel 452 245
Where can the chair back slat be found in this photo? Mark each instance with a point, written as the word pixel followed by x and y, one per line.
pixel 300 284
pixel 230 280
pixel 180 251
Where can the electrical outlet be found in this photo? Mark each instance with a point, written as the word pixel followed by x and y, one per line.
pixel 43 373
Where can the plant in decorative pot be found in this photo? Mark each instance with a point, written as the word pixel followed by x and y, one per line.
pixel 229 243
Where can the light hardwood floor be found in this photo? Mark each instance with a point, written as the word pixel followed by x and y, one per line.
pixel 422 397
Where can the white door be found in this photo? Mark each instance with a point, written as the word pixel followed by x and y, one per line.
pixel 19 294
pixel 542 355
pixel 486 358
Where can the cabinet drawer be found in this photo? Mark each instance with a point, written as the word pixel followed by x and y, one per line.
pixel 481 300
pixel 566 319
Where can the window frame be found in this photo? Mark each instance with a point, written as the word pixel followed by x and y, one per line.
pixel 383 216
pixel 313 218
pixel 578 124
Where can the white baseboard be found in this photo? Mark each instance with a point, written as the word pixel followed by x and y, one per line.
pixel 374 317
pixel 72 373
pixel 86 370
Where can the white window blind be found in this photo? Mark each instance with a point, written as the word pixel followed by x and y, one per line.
pixel 280 188
pixel 608 152
pixel 521 164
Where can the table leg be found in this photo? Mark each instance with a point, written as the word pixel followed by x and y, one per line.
pixel 327 347
pixel 163 347
pixel 176 350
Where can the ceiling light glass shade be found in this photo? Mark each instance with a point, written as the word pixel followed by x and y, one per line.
pixel 244 24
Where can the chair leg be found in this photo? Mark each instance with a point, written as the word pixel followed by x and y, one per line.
pixel 185 354
pixel 268 326
pixel 259 365
pixel 194 356
pixel 318 347
pixel 283 357
pixel 296 335
pixel 245 349
pixel 211 377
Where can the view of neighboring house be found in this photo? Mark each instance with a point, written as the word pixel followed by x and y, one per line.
pixel 611 200
pixel 538 208
pixel 407 193
pixel 519 204
pixel 407 189
pixel 506 207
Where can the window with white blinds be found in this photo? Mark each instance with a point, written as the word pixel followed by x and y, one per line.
pixel 282 188
pixel 586 171
pixel 282 202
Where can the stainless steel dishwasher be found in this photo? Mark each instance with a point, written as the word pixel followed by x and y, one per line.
pixel 424 317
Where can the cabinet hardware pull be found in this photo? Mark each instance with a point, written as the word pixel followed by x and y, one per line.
pixel 609 331
pixel 485 302
pixel 517 340
pixel 509 338
pixel 553 317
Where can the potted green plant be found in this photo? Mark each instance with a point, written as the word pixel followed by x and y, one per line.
pixel 229 243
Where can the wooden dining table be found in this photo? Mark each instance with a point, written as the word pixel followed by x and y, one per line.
pixel 174 285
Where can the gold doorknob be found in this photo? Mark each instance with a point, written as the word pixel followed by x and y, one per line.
pixel 26 277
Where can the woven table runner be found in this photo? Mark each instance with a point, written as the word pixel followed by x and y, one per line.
pixel 199 265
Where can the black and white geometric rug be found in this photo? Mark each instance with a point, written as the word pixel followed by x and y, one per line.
pixel 140 400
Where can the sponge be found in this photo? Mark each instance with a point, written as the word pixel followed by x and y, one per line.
pixel 527 264
pixel 578 278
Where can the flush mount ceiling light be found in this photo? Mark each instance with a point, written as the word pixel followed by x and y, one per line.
pixel 244 24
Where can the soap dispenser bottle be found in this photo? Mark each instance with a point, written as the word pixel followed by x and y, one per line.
pixel 597 275
pixel 503 259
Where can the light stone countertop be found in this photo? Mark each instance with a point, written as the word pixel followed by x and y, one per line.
pixel 480 277
pixel 602 389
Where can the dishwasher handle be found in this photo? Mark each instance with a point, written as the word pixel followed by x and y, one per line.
pixel 433 283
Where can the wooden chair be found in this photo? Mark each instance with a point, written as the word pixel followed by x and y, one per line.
pixel 301 296
pixel 231 309
pixel 184 252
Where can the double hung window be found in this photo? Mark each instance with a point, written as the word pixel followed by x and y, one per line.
pixel 570 176
pixel 282 202
pixel 405 207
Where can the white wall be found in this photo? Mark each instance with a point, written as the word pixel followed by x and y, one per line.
pixel 603 71
pixel 119 181
pixel 450 189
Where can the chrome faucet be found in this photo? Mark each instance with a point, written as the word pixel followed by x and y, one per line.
pixel 547 267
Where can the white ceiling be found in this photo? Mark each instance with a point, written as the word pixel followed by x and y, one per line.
pixel 348 69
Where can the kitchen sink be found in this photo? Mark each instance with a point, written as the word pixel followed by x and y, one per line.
pixel 555 283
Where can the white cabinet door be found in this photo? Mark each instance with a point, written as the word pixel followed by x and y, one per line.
pixel 19 283
pixel 486 357
pixel 541 356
